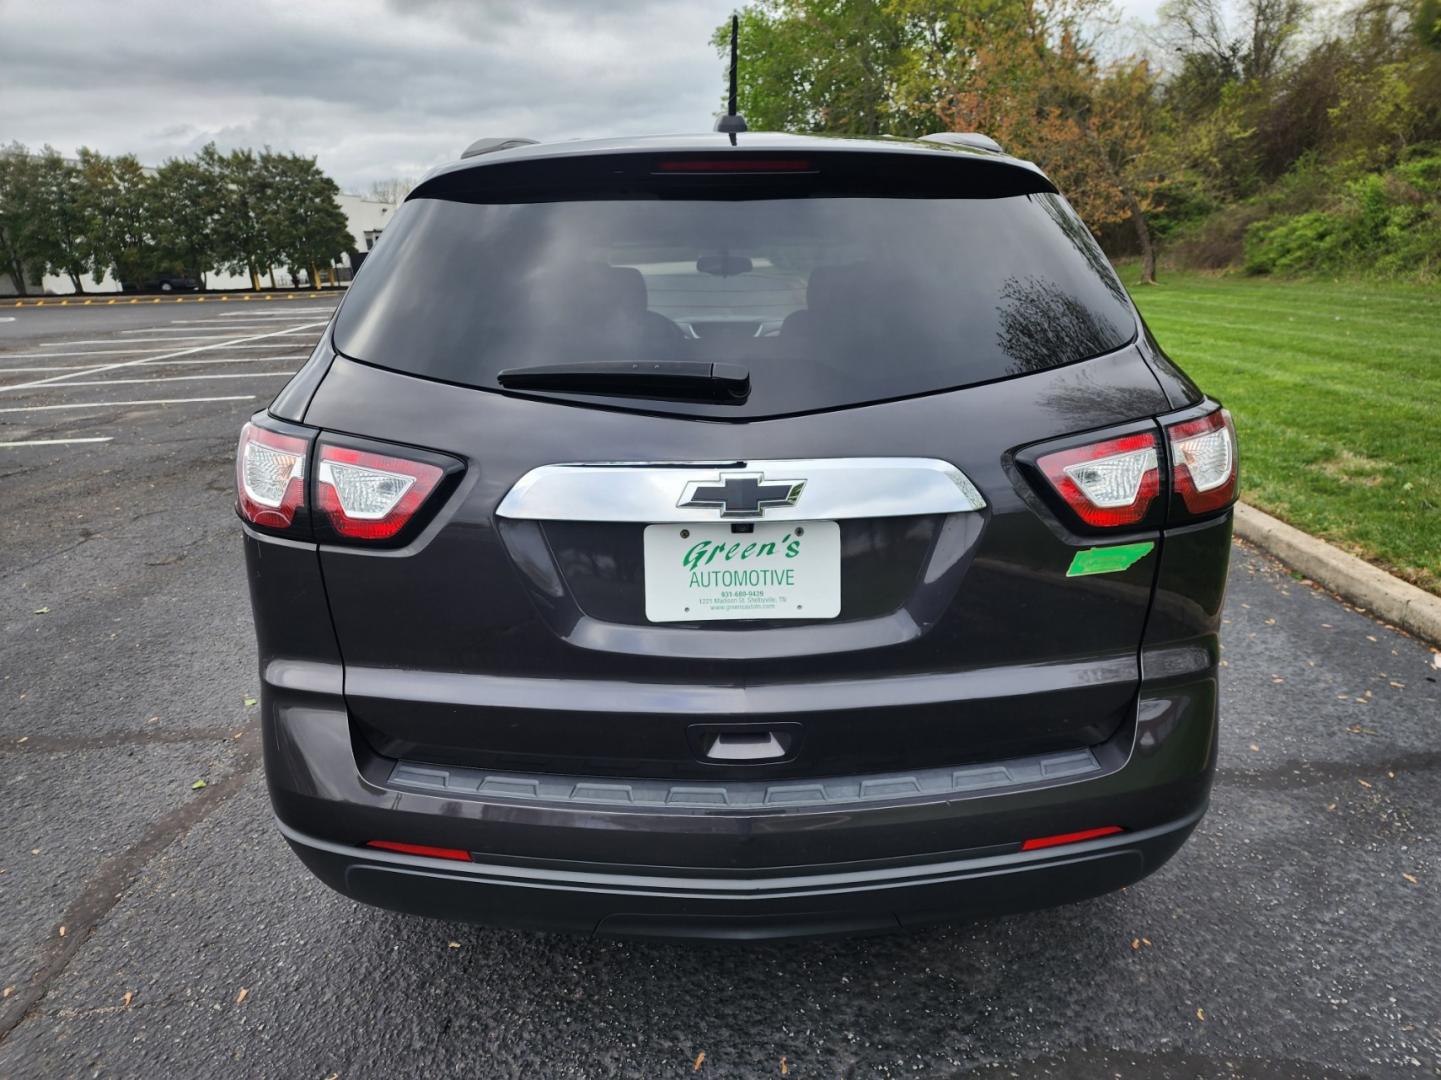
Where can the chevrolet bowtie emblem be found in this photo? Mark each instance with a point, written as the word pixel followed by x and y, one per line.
pixel 741 494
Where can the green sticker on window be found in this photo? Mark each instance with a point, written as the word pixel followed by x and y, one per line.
pixel 1108 560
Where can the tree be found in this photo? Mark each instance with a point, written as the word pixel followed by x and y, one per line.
pixel 303 219
pixel 59 243
pixel 187 202
pixel 242 239
pixel 393 190
pixel 1038 89
pixel 117 208
pixel 823 65
pixel 18 189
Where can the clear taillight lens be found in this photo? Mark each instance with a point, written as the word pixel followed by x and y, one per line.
pixel 1203 461
pixel 270 477
pixel 366 496
pixel 1109 483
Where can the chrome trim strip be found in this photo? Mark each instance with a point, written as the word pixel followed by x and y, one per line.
pixel 835 488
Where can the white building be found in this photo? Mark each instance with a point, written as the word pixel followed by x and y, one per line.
pixel 366 217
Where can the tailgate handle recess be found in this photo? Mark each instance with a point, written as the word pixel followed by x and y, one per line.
pixel 750 746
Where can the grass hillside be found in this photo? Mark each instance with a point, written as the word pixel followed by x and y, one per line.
pixel 1336 391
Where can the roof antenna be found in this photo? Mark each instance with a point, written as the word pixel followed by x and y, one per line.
pixel 732 121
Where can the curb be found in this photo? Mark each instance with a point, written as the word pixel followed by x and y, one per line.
pixel 126 299
pixel 1388 598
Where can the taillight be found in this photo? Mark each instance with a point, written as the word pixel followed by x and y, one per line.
pixel 1203 462
pixel 270 479
pixel 1109 484
pixel 361 495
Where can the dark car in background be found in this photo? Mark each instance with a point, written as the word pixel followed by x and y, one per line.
pixel 732 537
pixel 164 284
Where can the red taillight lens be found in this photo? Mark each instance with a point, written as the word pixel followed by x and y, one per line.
pixel 458 854
pixel 368 496
pixel 1110 483
pixel 1070 838
pixel 1203 461
pixel 270 477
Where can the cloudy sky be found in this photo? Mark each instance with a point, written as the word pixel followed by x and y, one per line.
pixel 374 88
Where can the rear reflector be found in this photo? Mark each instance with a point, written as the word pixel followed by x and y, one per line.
pixel 366 496
pixel 1203 461
pixel 1070 837
pixel 1109 483
pixel 270 477
pixel 424 850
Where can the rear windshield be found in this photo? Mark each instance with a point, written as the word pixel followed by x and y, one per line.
pixel 826 301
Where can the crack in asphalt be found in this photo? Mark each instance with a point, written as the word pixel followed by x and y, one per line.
pixel 117 874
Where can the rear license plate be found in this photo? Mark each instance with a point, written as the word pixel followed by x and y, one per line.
pixel 777 570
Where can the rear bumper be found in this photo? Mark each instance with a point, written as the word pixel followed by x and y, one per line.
pixel 863 854
pixel 770 905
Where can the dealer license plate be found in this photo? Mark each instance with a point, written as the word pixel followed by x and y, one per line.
pixel 776 570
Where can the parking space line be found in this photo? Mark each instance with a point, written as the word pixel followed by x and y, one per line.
pixel 184 333
pixel 114 404
pixel 235 343
pixel 58 442
pixel 182 378
pixel 164 363
pixel 112 352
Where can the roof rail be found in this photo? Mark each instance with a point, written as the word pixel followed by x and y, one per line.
pixel 488 146
pixel 973 139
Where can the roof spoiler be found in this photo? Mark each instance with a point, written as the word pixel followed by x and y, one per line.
pixel 974 139
pixel 489 146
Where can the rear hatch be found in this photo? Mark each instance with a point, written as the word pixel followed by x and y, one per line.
pixel 747 481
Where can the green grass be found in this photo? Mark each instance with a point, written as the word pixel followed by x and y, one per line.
pixel 1336 392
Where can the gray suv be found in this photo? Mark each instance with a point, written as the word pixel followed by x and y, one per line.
pixel 737 536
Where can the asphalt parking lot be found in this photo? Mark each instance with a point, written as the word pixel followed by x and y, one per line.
pixel 150 927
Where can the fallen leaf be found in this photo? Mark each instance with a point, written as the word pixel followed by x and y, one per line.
pixel 1363 783
pixel 1370 637
pixel 1135 944
pixel 7 992
pixel 35 851
pixel 23 739
pixel 455 944
pixel 1398 685
pixel 1330 806
pixel 1436 660
pixel 128 997
pixel 1146 941
pixel 699 1061
pixel 62 931
pixel 1200 1013
pixel 1270 622
pixel 785 1069
pixel 1255 749
pixel 240 997
pixel 197 785
pixel 1411 878
pixel 42 611
pixel 249 701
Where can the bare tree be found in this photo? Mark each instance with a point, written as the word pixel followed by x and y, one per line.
pixel 392 190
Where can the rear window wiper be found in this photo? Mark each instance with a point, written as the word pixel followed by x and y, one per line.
pixel 681 380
